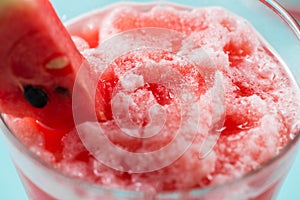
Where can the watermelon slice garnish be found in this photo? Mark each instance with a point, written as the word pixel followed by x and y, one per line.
pixel 38 63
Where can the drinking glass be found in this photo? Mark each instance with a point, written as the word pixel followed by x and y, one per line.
pixel 293 6
pixel 42 181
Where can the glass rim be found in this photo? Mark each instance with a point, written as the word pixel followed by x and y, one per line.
pixel 292 24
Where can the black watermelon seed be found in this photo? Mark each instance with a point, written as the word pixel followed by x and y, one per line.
pixel 35 96
pixel 62 90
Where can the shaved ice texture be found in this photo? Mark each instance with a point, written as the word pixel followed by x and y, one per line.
pixel 261 101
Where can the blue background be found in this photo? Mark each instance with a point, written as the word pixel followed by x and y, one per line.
pixel 11 188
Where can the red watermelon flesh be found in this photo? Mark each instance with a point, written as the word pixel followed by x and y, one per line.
pixel 39 59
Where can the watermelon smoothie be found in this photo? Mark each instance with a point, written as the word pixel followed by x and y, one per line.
pixel 170 102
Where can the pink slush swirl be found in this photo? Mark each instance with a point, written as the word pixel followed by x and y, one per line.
pixel 200 116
